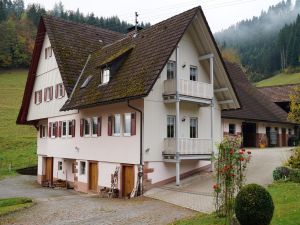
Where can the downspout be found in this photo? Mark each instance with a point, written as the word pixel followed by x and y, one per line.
pixel 140 173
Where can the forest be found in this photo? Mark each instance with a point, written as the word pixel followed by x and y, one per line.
pixel 18 27
pixel 266 44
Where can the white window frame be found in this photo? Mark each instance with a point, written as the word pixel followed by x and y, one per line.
pixel 44 131
pixel 196 73
pixel 127 116
pixel 62 129
pixel 59 165
pixel 52 130
pixel 171 120
pixel 94 121
pixel 38 97
pixel 169 68
pixel 105 75
pixel 60 91
pixel 114 125
pixel 48 93
pixel 69 128
pixel 191 121
pixel 229 130
pixel 82 169
pixel 87 121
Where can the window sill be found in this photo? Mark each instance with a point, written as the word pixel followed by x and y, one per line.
pixel 117 135
pixel 87 135
pixel 127 135
pixel 102 84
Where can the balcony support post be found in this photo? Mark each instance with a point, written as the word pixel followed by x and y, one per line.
pixel 177 119
pixel 211 70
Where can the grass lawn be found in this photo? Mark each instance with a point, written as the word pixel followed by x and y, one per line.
pixel 17 143
pixel 9 205
pixel 286 197
pixel 279 79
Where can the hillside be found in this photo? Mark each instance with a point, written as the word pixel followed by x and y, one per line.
pixel 17 143
pixel 280 79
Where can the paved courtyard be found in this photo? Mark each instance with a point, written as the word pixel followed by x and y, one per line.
pixel 69 207
pixel 196 192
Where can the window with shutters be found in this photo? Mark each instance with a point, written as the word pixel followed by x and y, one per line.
pixel 193 127
pixel 231 128
pixel 127 124
pixel 87 127
pixel 44 131
pixel 64 129
pixel 171 122
pixel 95 126
pixel 60 92
pixel 59 165
pixel 38 97
pixel 53 130
pixel 117 125
pixel 48 95
pixel 193 73
pixel 171 70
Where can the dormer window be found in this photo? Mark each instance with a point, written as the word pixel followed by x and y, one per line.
pixel 105 75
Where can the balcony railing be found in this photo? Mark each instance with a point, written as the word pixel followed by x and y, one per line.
pixel 189 88
pixel 188 146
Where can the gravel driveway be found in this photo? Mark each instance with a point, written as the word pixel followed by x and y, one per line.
pixel 69 207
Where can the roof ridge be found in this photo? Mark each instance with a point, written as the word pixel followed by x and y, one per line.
pixel 81 24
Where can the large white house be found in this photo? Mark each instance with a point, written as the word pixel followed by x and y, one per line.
pixel 135 110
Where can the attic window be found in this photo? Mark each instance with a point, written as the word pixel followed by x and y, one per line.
pixel 86 82
pixel 105 75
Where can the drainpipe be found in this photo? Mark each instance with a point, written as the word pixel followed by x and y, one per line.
pixel 211 70
pixel 140 173
pixel 177 119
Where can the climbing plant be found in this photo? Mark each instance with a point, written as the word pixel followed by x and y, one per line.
pixel 230 165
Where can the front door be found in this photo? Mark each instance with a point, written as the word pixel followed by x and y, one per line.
pixel 49 170
pixel 283 131
pixel 249 134
pixel 93 176
pixel 127 180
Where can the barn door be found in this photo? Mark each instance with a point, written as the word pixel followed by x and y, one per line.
pixel 49 170
pixel 93 176
pixel 127 180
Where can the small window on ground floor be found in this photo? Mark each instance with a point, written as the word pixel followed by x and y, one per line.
pixel 82 167
pixel 231 128
pixel 59 165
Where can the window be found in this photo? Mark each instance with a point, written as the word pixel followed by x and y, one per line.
pixel 231 128
pixel 171 121
pixel 127 124
pixel 38 97
pixel 59 92
pixel 64 129
pixel 48 52
pixel 94 126
pixel 48 94
pixel 193 73
pixel 59 165
pixel 193 127
pixel 87 127
pixel 171 70
pixel 82 167
pixel 105 75
pixel 117 125
pixel 289 131
pixel 86 82
pixel 53 130
pixel 43 131
pixel 70 128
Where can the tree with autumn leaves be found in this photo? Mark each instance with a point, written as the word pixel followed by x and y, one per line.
pixel 294 114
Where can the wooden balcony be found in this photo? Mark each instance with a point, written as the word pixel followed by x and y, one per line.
pixel 188 88
pixel 188 147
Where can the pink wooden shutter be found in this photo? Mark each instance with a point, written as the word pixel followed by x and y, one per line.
pixel 51 92
pixel 109 126
pixel 56 127
pixel 133 124
pixel 49 130
pixel 99 126
pixel 45 94
pixel 45 53
pixel 40 95
pixel 73 128
pixel 41 131
pixel 63 90
pixel 50 51
pixel 35 97
pixel 59 129
pixel 56 91
pixel 81 127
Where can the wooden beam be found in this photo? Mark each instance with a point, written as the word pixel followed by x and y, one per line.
pixel 226 102
pixel 221 90
pixel 208 56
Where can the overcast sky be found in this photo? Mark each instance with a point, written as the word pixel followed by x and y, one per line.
pixel 219 13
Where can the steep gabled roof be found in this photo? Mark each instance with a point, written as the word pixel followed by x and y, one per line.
pixel 255 105
pixel 71 43
pixel 279 93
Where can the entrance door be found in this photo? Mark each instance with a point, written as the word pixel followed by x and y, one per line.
pixel 49 170
pixel 283 133
pixel 127 180
pixel 249 134
pixel 93 176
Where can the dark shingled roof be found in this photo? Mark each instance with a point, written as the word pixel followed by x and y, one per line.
pixel 279 93
pixel 147 53
pixel 72 42
pixel 255 105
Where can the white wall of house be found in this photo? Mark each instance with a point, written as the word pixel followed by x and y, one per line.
pixel 47 75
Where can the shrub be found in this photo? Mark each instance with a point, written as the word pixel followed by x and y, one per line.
pixel 294 160
pixel 281 173
pixel 254 205
pixel 295 175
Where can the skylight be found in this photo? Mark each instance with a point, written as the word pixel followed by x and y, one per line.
pixel 86 82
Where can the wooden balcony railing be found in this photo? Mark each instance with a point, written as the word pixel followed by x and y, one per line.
pixel 189 88
pixel 188 146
